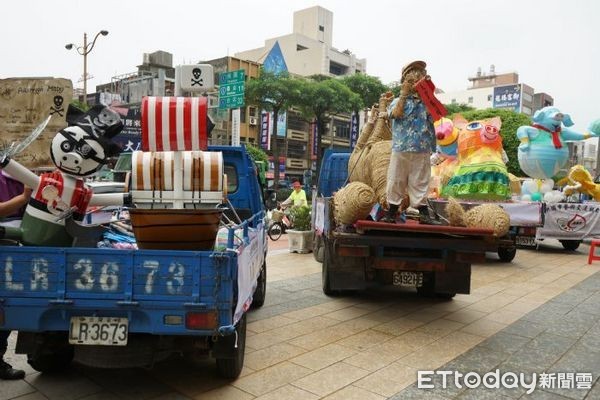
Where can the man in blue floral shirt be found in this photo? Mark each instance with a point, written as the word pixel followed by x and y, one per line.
pixel 413 141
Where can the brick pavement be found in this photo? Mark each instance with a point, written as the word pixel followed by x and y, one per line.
pixel 304 345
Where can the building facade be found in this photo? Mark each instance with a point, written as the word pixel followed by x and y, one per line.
pixel 307 51
pixel 493 90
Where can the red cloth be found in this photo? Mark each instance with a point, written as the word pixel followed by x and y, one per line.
pixel 555 135
pixel 426 90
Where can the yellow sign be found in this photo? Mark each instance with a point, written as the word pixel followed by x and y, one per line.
pixel 24 104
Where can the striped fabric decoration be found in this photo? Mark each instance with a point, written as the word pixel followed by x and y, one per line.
pixel 174 123
pixel 202 171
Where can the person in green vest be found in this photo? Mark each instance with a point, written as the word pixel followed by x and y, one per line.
pixel 297 198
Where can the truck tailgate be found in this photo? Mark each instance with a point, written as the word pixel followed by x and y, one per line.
pixel 42 288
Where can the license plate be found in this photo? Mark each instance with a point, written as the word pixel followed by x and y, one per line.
pixel 525 241
pixel 411 279
pixel 103 331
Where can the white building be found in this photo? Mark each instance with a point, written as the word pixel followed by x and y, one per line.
pixel 308 49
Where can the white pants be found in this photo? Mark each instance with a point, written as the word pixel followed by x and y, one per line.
pixel 408 173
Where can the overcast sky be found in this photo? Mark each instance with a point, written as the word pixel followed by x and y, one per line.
pixel 552 44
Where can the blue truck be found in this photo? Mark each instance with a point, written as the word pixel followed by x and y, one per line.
pixel 128 308
pixel 436 260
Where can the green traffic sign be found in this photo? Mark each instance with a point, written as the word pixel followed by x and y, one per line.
pixel 231 89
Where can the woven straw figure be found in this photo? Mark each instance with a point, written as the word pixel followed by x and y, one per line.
pixel 353 202
pixel 486 216
pixel 375 131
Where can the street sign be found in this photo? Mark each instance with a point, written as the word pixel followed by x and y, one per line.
pixel 196 78
pixel 231 89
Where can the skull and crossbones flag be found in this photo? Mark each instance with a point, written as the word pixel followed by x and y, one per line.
pixel 175 123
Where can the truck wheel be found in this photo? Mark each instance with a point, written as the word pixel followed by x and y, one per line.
pixel 55 361
pixel 261 287
pixel 507 254
pixel 231 368
pixel 570 245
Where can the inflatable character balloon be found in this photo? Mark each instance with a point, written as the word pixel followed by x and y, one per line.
pixel 543 151
pixel 78 151
pixel 481 173
pixel 446 150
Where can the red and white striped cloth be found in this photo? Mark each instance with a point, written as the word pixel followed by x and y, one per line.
pixel 174 123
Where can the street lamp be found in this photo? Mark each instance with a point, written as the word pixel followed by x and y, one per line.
pixel 84 51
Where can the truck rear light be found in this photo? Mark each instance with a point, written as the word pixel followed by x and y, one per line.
pixel 173 320
pixel 529 231
pixel 201 320
pixel 353 251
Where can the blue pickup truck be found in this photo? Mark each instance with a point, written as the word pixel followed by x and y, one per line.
pixel 126 308
pixel 436 260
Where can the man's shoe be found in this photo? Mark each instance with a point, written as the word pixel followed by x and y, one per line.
pixel 9 373
pixel 390 215
pixel 425 218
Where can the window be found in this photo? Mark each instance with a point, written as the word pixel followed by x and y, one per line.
pixel 453 101
pixel 232 178
pixel 242 115
pixel 321 28
pixel 252 111
pixel 470 100
pixel 341 129
pixel 527 97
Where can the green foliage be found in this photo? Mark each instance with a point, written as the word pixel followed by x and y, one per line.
pixel 81 105
pixel 511 121
pixel 283 193
pixel 301 217
pixel 272 92
pixel 458 108
pixel 256 154
pixel 368 88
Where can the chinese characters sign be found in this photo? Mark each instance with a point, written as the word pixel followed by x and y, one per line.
pixel 231 89
pixel 507 97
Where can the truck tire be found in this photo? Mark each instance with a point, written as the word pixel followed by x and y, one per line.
pixel 261 287
pixel 570 245
pixel 46 360
pixel 507 254
pixel 231 367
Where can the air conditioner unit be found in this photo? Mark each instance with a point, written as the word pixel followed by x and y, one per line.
pixel 252 120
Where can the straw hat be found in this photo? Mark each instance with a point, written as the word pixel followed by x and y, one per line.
pixel 412 66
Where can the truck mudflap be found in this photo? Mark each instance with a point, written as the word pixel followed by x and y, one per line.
pixel 156 292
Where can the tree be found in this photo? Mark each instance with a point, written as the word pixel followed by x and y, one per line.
pixel 368 88
pixel 320 98
pixel 273 92
pixel 256 154
pixel 458 108
pixel 511 121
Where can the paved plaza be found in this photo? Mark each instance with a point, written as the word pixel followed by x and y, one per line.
pixel 538 314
